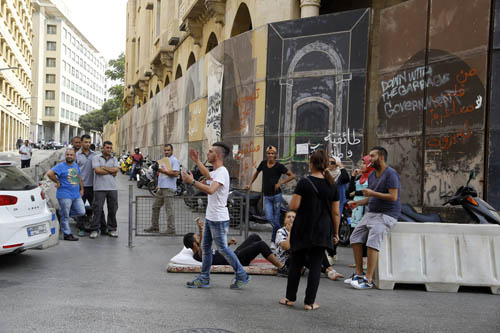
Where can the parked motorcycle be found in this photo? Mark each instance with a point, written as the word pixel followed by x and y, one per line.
pixel 126 165
pixel 345 228
pixel 145 174
pixel 200 200
pixel 478 209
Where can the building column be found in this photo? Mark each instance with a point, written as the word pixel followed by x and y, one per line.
pixel 309 8
pixel 2 133
pixel 57 131
pixel 66 134
pixel 75 132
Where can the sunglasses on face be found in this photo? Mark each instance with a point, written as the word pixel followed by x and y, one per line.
pixel 332 163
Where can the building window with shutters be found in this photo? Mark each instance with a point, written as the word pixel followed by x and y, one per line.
pixel 50 78
pixel 51 46
pixel 50 95
pixel 51 29
pixel 49 111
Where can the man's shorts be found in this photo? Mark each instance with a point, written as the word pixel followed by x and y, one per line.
pixel 372 229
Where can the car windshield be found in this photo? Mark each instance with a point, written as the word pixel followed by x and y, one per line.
pixel 13 179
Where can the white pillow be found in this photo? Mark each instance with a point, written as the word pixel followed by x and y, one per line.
pixel 185 257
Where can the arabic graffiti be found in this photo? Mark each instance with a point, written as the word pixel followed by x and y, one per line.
pixel 445 142
pixel 244 106
pixel 341 143
pixel 214 114
pixel 445 110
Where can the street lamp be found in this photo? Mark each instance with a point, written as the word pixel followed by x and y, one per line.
pixel 7 68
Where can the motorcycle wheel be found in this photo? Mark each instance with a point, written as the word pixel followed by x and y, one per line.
pixel 139 184
pixel 344 231
pixel 179 190
pixel 151 189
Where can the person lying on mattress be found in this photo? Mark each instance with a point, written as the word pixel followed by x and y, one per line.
pixel 246 252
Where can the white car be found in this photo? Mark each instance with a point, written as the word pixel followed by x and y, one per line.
pixel 24 215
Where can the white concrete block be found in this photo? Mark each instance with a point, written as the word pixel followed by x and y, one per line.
pixel 443 256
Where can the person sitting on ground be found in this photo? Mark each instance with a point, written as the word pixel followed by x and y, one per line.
pixel 246 252
pixel 282 244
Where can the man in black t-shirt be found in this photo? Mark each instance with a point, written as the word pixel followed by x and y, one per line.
pixel 271 187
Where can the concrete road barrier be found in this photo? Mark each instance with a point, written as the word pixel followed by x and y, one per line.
pixel 443 256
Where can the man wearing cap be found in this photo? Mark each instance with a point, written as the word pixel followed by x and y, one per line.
pixel 271 187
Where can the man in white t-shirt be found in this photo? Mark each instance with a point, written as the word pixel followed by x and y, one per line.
pixel 167 184
pixel 26 152
pixel 217 216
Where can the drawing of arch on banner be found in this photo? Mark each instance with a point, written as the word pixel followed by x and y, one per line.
pixel 334 120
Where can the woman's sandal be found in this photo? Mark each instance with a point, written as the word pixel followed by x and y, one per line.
pixel 310 307
pixel 334 275
pixel 287 302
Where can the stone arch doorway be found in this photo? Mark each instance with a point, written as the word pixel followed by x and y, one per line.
pixel 212 42
pixel 242 21
pixel 178 72
pixel 191 60
pixel 334 120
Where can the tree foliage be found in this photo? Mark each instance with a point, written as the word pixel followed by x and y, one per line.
pixel 113 107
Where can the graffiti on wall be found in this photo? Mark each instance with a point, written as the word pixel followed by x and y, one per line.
pixel 214 109
pixel 316 86
pixel 431 109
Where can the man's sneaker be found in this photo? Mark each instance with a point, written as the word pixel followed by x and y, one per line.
pixel 354 277
pixel 70 237
pixel 152 230
pixel 198 283
pixel 362 284
pixel 113 233
pixel 94 234
pixel 283 271
pixel 238 283
pixel 81 233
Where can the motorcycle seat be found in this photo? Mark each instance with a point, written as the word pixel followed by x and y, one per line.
pixel 412 213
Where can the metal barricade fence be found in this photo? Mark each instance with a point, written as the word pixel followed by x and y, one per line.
pixel 185 211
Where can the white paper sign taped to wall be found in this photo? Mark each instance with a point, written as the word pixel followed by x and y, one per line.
pixel 302 149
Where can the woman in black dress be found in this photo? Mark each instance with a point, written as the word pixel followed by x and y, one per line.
pixel 315 228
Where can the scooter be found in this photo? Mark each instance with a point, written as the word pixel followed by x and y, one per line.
pixel 126 165
pixel 479 210
pixel 345 229
pixel 200 200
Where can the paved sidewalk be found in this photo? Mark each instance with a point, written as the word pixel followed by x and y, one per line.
pixel 103 286
pixel 39 155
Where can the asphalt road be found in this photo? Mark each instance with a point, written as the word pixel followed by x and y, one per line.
pixel 103 286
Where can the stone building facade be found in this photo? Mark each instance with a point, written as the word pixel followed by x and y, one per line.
pixel 343 75
pixel 16 59
pixel 68 74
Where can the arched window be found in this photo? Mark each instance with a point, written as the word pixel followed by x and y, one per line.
pixel 191 60
pixel 178 72
pixel 242 21
pixel 167 80
pixel 212 42
pixel 157 89
pixel 151 94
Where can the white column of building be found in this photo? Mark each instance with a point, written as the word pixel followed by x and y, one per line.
pixel 57 131
pixel 66 134
pixel 309 8
pixel 2 126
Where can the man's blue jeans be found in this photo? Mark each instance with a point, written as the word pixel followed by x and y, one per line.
pixel 217 231
pixel 132 171
pixel 70 208
pixel 272 209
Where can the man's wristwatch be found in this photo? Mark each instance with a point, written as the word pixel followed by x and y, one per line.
pixel 194 181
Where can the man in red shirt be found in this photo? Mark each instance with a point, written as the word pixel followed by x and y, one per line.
pixel 136 158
